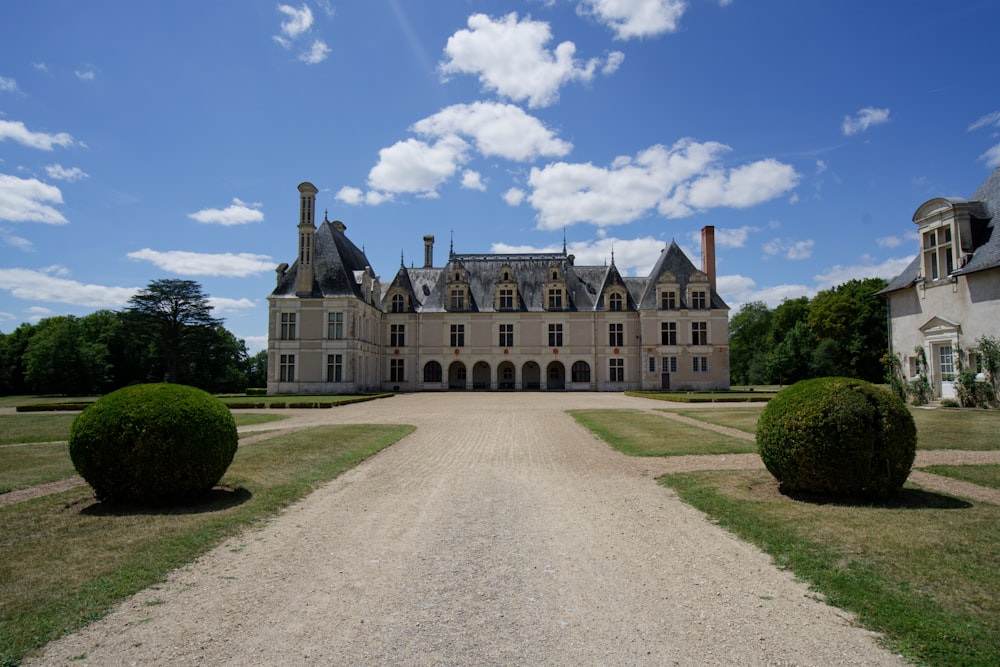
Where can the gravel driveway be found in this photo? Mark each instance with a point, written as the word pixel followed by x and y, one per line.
pixel 498 533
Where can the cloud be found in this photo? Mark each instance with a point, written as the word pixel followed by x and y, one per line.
pixel 32 285
pixel 889 242
pixel 990 119
pixel 61 173
pixel 991 157
pixel 9 238
pixel 86 74
pixel 473 180
pixel 297 24
pixel 316 53
pixel 8 85
pixel 737 290
pixel 674 181
pixel 224 305
pixel 509 57
pixel 867 268
pixel 636 18
pixel 864 119
pixel 415 166
pixel 229 265
pixel 238 213
pixel 514 196
pixel 497 130
pixel 729 238
pixel 17 131
pixel 790 250
pixel 633 257
pixel 28 199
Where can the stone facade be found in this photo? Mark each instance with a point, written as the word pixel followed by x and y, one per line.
pixel 495 322
pixel 949 295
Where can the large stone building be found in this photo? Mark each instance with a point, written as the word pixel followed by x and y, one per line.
pixel 949 295
pixel 535 321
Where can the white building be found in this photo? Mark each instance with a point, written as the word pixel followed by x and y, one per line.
pixel 512 322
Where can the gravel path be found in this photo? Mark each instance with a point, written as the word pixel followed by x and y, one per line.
pixel 498 533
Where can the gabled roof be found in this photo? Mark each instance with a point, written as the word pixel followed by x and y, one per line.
pixel 673 259
pixel 336 262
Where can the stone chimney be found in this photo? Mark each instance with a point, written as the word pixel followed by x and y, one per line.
pixel 428 251
pixel 708 254
pixel 305 277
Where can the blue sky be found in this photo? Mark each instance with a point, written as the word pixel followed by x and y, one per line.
pixel 150 140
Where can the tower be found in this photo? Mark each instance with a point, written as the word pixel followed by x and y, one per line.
pixel 305 277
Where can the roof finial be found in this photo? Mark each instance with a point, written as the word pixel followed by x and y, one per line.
pixel 451 245
pixel 612 254
pixel 325 218
pixel 402 263
pixel 564 240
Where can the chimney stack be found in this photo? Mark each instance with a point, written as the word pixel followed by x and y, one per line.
pixel 708 254
pixel 305 278
pixel 428 251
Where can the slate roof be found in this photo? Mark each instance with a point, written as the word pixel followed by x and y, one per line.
pixel 986 239
pixel 336 263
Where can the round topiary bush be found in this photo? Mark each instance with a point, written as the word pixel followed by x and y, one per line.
pixel 153 443
pixel 838 436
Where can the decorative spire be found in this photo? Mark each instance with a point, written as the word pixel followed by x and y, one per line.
pixel 451 245
pixel 402 263
pixel 564 240
pixel 612 254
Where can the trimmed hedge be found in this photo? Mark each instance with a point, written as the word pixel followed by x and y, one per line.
pixel 153 443
pixel 838 436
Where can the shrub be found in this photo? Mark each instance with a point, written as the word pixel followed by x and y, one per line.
pixel 153 443
pixel 950 403
pixel 837 436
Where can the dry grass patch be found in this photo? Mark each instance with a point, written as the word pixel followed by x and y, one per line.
pixel 742 419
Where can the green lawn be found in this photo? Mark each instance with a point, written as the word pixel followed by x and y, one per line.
pixel 983 475
pixel 643 434
pixel 67 559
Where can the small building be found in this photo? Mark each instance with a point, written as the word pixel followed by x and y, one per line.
pixel 492 322
pixel 949 295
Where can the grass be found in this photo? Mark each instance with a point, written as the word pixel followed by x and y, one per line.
pixel 639 433
pixel 33 447
pixel 67 559
pixel 742 419
pixel 705 396
pixel 983 475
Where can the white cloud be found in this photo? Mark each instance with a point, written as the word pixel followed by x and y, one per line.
pixel 238 213
pixel 636 18
pixel 17 131
pixel 298 21
pixel 514 196
pixel 350 196
pixel 316 53
pixel 9 238
pixel 737 290
pixel 61 173
pixel 889 242
pixel 473 180
pixel 230 265
pixel 500 130
pixel 417 167
pixel 510 57
pixel 867 268
pixel 47 286
pixel 790 250
pixel 86 74
pixel 991 157
pixel 224 305
pixel 674 181
pixel 8 85
pixel 735 237
pixel 864 119
pixel 28 200
pixel 633 257
pixel 990 119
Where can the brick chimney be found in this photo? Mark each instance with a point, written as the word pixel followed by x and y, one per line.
pixel 708 254
pixel 428 251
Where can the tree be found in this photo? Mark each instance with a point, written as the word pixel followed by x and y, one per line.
pixel 61 359
pixel 257 370
pixel 12 348
pixel 792 358
pixel 788 313
pixel 853 315
pixel 174 318
pixel 748 349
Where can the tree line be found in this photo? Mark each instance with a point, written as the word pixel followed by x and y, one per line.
pixel 166 333
pixel 840 331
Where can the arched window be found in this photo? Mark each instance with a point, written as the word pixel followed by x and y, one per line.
pixel 432 371
pixel 615 302
pixel 581 371
pixel 398 303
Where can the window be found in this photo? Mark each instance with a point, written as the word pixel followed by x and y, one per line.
pixel 432 371
pixel 286 368
pixel 668 333
pixel 699 333
pixel 396 370
pixel 335 326
pixel 699 300
pixel 555 335
pixel 938 253
pixel 458 299
pixel 555 298
pixel 398 303
pixel 668 301
pixel 458 335
pixel 616 370
pixel 506 298
pixel 946 362
pixel 397 335
pixel 506 335
pixel 652 364
pixel 615 302
pixel 288 326
pixel 668 365
pixel 699 364
pixel 581 372
pixel 616 335
pixel 334 368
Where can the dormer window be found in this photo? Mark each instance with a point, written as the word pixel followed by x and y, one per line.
pixel 398 303
pixel 616 301
pixel 554 290
pixel 457 298
pixel 505 290
pixel 457 291
pixel 938 258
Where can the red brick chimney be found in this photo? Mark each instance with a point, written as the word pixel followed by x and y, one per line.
pixel 708 253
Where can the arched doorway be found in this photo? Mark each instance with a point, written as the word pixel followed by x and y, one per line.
pixel 481 375
pixel 531 376
pixel 555 376
pixel 456 375
pixel 505 376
